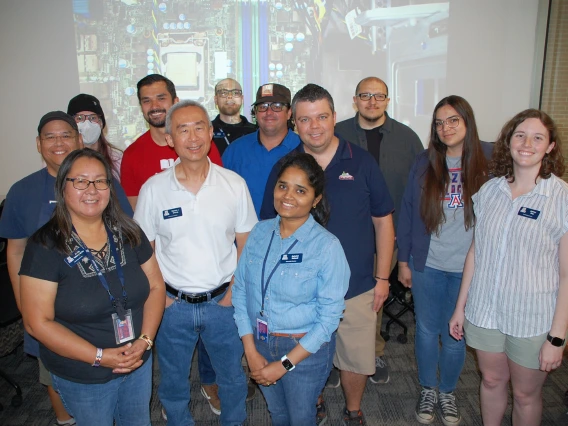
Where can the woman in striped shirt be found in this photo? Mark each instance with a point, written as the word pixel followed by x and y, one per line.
pixel 515 279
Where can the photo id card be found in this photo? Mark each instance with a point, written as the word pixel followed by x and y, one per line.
pixel 261 329
pixel 123 329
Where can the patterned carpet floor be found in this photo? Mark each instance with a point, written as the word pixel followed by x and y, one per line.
pixel 389 404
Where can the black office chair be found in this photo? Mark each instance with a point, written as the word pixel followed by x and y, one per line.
pixel 11 327
pixel 402 296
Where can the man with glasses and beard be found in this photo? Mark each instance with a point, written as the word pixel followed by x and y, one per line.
pixel 394 146
pixel 150 154
pixel 229 123
pixel 253 156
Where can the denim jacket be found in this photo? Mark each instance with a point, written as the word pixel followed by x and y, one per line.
pixel 302 297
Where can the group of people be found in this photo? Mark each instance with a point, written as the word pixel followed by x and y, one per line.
pixel 179 258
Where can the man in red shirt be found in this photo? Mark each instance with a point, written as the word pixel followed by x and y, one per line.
pixel 150 154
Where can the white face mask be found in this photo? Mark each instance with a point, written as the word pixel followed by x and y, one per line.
pixel 90 131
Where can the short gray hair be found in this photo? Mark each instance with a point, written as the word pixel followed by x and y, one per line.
pixel 184 104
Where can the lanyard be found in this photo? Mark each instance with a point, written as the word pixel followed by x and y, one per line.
pixel 120 308
pixel 264 285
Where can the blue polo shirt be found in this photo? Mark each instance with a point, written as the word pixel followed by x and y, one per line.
pixel 356 191
pixel 248 157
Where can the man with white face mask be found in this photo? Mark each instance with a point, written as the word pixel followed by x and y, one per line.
pixel 90 119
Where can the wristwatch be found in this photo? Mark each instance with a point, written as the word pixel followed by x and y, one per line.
pixel 287 363
pixel 555 341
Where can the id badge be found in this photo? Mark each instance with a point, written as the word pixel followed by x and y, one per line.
pixel 261 329
pixel 123 330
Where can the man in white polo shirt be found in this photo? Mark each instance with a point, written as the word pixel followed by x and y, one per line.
pixel 193 213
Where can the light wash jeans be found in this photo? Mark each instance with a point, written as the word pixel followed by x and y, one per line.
pixel 435 294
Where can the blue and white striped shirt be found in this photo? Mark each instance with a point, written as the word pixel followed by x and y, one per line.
pixel 516 274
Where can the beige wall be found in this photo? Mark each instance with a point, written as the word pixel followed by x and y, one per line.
pixel 555 81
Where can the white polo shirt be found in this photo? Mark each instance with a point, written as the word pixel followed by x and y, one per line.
pixel 516 274
pixel 195 234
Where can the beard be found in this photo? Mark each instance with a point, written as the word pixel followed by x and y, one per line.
pixel 156 122
pixel 230 109
pixel 371 119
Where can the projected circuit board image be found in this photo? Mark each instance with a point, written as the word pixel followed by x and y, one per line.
pixel 197 43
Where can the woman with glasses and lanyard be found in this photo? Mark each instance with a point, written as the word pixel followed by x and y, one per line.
pixel 435 229
pixel 289 294
pixel 513 300
pixel 91 121
pixel 93 296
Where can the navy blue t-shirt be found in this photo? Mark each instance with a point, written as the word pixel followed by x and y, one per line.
pixel 356 191
pixel 29 205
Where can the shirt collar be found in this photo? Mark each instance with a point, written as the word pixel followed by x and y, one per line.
pixel 301 233
pixel 344 151
pixel 210 179
pixel 543 187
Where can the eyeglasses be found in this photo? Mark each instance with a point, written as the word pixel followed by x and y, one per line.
pixel 235 93
pixel 65 138
pixel 379 97
pixel 93 118
pixel 451 122
pixel 274 106
pixel 82 184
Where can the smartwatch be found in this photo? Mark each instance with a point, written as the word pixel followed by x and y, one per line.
pixel 555 341
pixel 287 363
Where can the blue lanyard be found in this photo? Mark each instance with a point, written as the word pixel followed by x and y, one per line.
pixel 264 285
pixel 120 308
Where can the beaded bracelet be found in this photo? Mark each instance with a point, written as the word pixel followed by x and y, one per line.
pixel 148 341
pixel 98 358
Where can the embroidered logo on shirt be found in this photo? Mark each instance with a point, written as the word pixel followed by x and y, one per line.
pixel 346 176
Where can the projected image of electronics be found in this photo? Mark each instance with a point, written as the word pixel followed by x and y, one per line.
pixel 197 43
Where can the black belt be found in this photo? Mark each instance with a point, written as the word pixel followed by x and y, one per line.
pixel 198 297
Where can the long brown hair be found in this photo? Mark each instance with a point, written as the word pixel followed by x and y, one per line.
pixel 58 229
pixel 502 162
pixel 437 177
pixel 106 148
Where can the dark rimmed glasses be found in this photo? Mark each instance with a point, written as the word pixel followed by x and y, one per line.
pixel 235 93
pixel 379 97
pixel 82 184
pixel 274 106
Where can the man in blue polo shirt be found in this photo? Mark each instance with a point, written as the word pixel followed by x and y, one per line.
pixel 361 217
pixel 253 156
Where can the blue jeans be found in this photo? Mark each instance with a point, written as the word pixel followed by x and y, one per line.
pixel 125 399
pixel 206 371
pixel 292 400
pixel 182 325
pixel 435 294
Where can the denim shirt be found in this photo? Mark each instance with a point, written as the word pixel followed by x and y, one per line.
pixel 304 297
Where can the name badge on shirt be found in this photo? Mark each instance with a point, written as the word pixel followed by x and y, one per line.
pixel 75 257
pixel 171 213
pixel 530 213
pixel 219 134
pixel 291 258
pixel 261 329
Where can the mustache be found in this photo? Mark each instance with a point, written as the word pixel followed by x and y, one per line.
pixel 153 111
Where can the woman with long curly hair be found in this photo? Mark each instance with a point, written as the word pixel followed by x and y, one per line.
pixel 434 234
pixel 514 292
